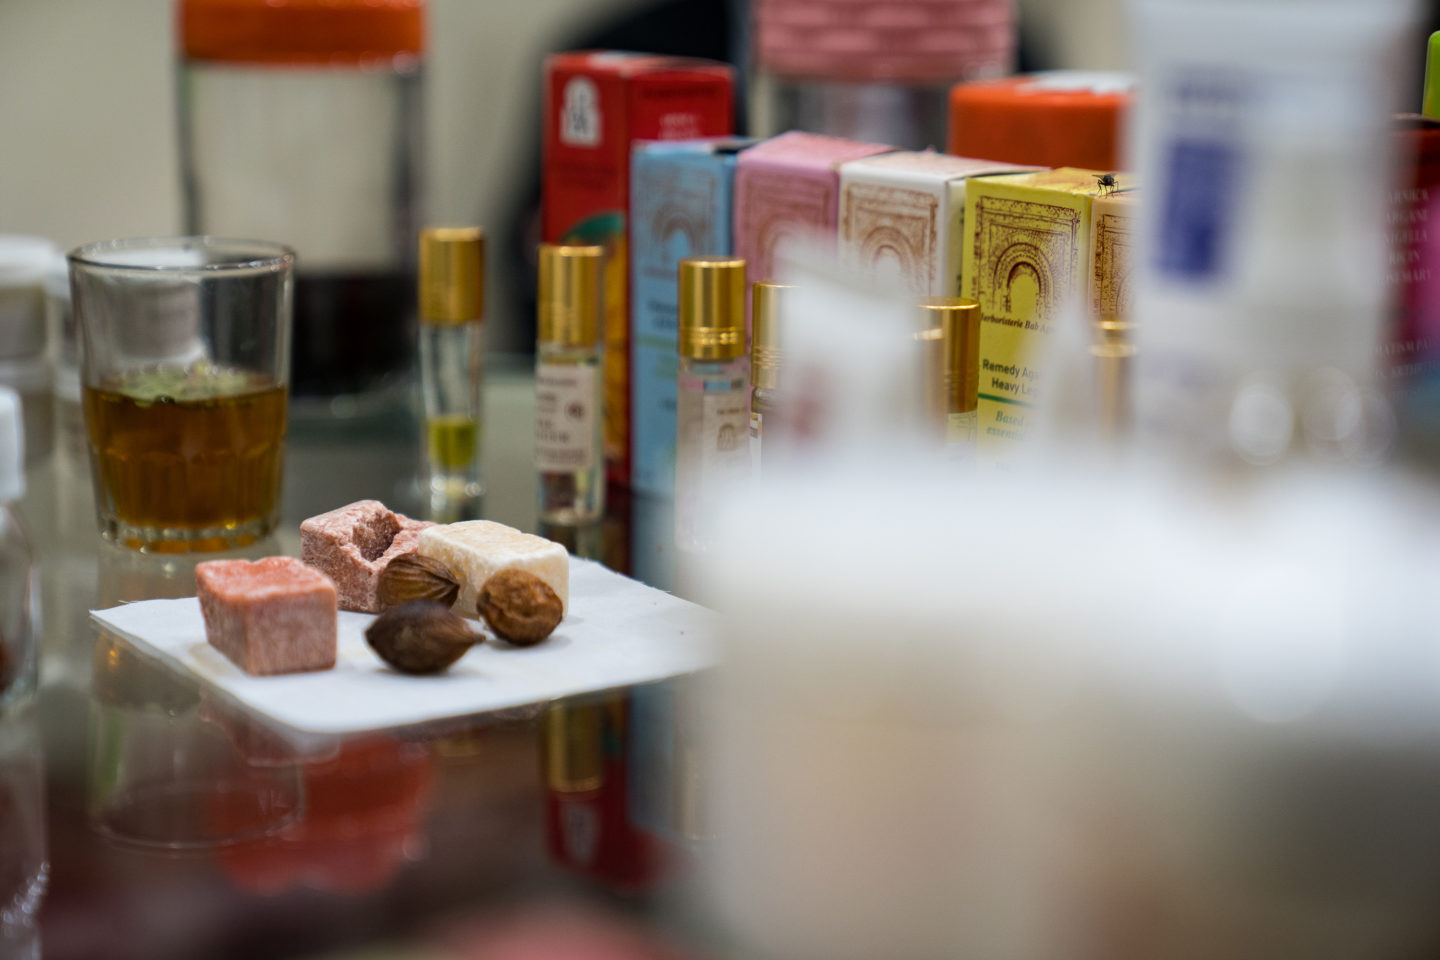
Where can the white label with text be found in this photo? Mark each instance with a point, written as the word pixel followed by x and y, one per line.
pixel 566 397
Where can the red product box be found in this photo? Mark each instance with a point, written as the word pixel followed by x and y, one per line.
pixel 596 105
pixel 1414 339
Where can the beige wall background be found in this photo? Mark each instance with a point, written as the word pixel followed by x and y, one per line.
pixel 87 136
pixel 87 126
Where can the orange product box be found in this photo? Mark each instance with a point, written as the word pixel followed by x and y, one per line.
pixel 597 104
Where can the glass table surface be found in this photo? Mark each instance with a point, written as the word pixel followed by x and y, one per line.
pixel 178 826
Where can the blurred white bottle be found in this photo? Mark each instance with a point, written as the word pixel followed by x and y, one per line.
pixel 1084 709
pixel 1261 141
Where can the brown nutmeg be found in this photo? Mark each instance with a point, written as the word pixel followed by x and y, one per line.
pixel 520 607
pixel 421 637
pixel 410 577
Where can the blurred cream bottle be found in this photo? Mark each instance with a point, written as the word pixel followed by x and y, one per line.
pixel 1179 700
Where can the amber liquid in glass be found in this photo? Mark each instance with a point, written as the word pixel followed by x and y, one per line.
pixel 187 460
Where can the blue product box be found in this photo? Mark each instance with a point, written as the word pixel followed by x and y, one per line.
pixel 680 193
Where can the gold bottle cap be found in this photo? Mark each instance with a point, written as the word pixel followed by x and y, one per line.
pixel 452 275
pixel 959 322
pixel 712 308
pixel 767 300
pixel 570 303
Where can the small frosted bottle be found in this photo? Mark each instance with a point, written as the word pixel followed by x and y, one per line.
pixel 712 450
pixel 568 385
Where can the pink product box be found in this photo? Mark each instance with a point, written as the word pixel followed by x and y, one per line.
pixel 789 187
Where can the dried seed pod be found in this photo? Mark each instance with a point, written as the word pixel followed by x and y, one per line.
pixel 520 607
pixel 410 577
pixel 421 637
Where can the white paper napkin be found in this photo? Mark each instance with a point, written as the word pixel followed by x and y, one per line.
pixel 618 632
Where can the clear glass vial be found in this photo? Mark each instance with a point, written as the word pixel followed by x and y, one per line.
pixel 569 454
pixel 452 368
pixel 712 392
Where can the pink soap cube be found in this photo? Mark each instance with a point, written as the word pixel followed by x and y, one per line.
pixel 274 615
pixel 354 544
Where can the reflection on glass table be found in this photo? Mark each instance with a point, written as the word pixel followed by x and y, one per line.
pixel 24 867
pixel 161 771
pixel 181 826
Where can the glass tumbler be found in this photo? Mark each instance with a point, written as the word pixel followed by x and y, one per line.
pixel 185 369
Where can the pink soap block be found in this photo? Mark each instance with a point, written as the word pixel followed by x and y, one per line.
pixel 274 615
pixel 354 544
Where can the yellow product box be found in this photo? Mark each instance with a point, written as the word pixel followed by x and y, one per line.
pixel 902 216
pixel 1028 257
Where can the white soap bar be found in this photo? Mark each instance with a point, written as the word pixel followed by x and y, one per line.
pixel 476 550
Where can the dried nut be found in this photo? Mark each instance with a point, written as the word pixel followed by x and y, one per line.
pixel 410 577
pixel 421 637
pixel 519 606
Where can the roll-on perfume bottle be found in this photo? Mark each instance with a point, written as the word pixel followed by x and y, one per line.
pixel 958 322
pixel 568 385
pixel 767 301
pixel 712 392
pixel 452 367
